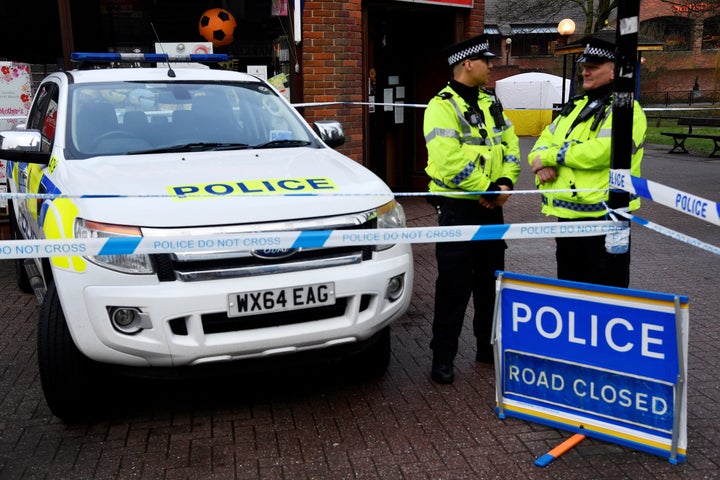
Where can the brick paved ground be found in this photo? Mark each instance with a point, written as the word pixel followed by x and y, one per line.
pixel 316 423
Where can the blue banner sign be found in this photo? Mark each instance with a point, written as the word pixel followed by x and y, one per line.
pixel 606 362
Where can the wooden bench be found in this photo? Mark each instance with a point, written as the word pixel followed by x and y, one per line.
pixel 679 138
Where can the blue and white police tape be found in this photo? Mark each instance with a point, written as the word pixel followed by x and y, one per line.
pixel 15 249
pixel 670 233
pixel 670 197
pixel 373 104
pixel 424 105
pixel 223 194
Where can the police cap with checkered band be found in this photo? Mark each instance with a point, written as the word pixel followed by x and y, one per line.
pixel 599 47
pixel 472 48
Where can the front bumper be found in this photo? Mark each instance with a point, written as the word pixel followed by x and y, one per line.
pixel 180 313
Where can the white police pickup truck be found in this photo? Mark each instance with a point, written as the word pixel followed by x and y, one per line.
pixel 163 153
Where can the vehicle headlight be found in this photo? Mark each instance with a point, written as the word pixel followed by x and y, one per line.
pixel 390 215
pixel 135 263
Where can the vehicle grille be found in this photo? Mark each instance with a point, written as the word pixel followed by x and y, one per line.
pixel 212 266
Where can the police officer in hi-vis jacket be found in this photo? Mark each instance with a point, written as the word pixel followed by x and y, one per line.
pixel 572 155
pixel 473 158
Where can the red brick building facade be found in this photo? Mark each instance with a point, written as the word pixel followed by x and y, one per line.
pixel 691 34
pixel 354 53
pixel 332 66
pixel 338 56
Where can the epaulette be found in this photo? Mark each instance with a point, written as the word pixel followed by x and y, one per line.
pixel 570 105
pixel 445 95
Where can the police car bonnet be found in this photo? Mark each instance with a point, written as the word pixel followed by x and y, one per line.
pixel 476 47
pixel 599 47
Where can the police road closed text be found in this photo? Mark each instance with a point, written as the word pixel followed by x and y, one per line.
pixel 624 338
pixel 582 388
pixel 618 334
pixel 603 361
pixel 588 389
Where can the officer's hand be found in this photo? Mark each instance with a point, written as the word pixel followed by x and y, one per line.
pixel 501 199
pixel 544 174
pixel 486 203
pixel 537 164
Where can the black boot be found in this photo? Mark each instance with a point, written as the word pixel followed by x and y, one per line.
pixel 442 372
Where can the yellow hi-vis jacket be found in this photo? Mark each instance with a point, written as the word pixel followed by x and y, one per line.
pixel 582 159
pixel 460 157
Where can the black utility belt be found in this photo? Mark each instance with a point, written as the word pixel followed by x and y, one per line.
pixel 453 203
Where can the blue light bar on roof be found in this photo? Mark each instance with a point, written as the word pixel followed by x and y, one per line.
pixel 147 57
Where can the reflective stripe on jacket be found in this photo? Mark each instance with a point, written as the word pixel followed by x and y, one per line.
pixel 582 159
pixel 460 157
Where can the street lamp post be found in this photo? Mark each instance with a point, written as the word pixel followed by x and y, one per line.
pixel 566 27
pixel 508 44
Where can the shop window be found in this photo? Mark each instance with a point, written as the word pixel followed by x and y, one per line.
pixel 496 43
pixel 711 33
pixel 675 33
pixel 530 40
pixel 533 44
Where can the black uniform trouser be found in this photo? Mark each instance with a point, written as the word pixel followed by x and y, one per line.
pixel 465 268
pixel 584 259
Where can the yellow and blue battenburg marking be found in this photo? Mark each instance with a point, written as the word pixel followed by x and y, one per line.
pixel 275 186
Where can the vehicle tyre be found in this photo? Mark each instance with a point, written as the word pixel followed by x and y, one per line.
pixel 21 275
pixel 374 360
pixel 70 380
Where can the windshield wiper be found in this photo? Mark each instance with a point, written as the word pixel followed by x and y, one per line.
pixel 194 147
pixel 283 143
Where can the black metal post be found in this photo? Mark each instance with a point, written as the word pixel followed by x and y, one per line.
pixel 626 37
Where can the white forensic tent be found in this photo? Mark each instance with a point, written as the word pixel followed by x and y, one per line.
pixel 528 100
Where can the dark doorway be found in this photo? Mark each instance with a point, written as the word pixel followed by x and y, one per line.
pixel 405 63
pixel 30 32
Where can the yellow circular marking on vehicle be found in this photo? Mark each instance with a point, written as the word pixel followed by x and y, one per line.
pixel 59 224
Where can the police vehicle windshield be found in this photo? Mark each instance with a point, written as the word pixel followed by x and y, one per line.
pixel 115 118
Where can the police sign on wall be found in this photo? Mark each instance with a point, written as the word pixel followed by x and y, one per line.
pixel 606 362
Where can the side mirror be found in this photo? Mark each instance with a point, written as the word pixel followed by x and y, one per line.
pixel 330 131
pixel 22 146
